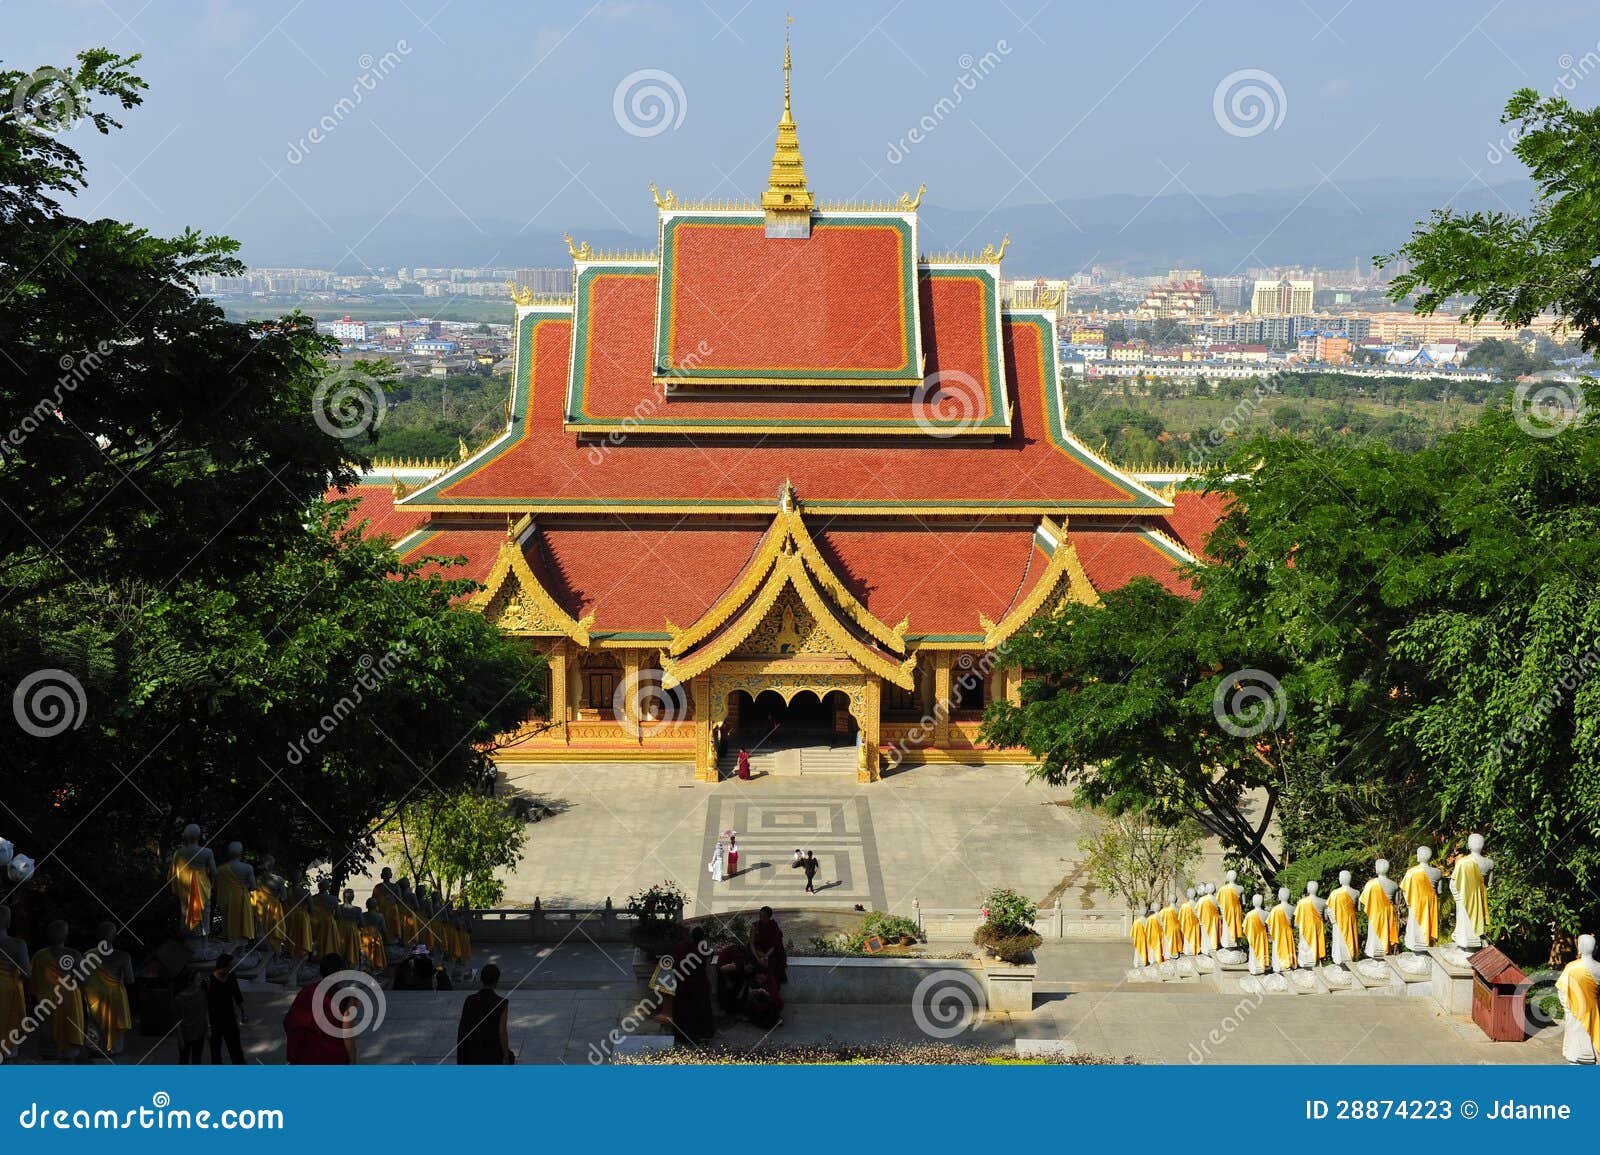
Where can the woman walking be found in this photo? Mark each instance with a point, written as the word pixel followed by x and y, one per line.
pixel 715 866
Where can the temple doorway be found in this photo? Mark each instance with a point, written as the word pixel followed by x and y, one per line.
pixel 767 722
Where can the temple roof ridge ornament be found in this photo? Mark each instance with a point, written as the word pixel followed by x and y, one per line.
pixel 521 603
pixel 583 252
pixel 523 296
pixel 788 200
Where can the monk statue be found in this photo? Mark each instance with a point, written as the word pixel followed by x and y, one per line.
pixel 374 936
pixel 1578 988
pixel 1377 903
pixel 1281 923
pixel 1344 938
pixel 350 930
pixel 384 893
pixel 1171 929
pixel 236 885
pixel 192 873
pixel 1420 886
pixel 1258 937
pixel 410 924
pixel 14 973
pixel 1141 949
pixel 1189 925
pixel 1469 887
pixel 1309 915
pixel 1230 900
pixel 1209 915
pixel 1154 936
pixel 56 980
pixel 325 920
pixel 105 991
pixel 302 939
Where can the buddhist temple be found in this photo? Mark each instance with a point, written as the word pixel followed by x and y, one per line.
pixel 782 480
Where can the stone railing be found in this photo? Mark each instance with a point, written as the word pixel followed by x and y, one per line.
pixel 1057 922
pixel 538 923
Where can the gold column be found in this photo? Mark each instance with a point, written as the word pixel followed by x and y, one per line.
pixel 705 755
pixel 559 688
pixel 1014 685
pixel 869 770
pixel 630 697
pixel 941 699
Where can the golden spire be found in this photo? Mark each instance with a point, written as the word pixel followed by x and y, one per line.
pixel 786 187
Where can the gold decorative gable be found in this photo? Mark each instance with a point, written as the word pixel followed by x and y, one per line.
pixel 1065 570
pixel 513 598
pixel 787 630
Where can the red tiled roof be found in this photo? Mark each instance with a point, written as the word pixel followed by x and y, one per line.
pixel 375 506
pixel 1113 556
pixel 637 577
pixel 479 547
pixel 1194 515
pixel 941 578
pixel 740 302
pixel 617 366
pixel 547 465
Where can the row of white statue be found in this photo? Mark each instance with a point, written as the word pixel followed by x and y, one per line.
pixel 1212 921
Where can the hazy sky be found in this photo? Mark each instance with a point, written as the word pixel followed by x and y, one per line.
pixel 478 112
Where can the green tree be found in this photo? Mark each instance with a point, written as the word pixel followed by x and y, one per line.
pixel 456 841
pixel 1139 858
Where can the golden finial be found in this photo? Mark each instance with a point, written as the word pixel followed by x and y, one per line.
pixel 461 446
pixel 399 489
pixel 583 252
pixel 991 255
pixel 909 203
pixel 1047 298
pixel 786 186
pixel 519 294
pixel 511 528
pixel 663 202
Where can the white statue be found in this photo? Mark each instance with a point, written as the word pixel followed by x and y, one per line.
pixel 1378 903
pixel 1343 935
pixel 1578 988
pixel 1210 916
pixel 1258 937
pixel 1469 887
pixel 1281 924
pixel 1231 899
pixel 1420 887
pixel 1309 915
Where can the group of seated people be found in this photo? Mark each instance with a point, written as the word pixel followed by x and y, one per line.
pixel 747 981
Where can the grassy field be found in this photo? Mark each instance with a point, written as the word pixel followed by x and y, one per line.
pixel 492 309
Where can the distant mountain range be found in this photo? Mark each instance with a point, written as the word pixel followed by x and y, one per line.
pixel 1332 226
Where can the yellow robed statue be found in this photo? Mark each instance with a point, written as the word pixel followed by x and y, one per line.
pixel 191 886
pixel 107 998
pixel 372 947
pixel 1232 906
pixel 238 913
pixel 1579 991
pixel 297 927
pixel 350 941
pixel 1422 901
pixel 1189 927
pixel 1210 917
pixel 1313 931
pixel 1258 940
pixel 324 930
pixel 1283 949
pixel 1152 938
pixel 1141 951
pixel 1471 891
pixel 1382 925
pixel 1171 932
pixel 13 1001
pixel 51 983
pixel 1342 906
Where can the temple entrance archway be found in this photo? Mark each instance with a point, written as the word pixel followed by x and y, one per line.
pixel 769 721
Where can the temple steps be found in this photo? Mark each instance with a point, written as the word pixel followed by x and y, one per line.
pixel 794 761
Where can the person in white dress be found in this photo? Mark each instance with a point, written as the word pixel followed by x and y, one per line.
pixel 718 859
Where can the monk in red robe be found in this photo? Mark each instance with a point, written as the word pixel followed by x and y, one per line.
pixel 766 941
pixel 744 765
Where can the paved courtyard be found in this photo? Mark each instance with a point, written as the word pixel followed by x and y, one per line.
pixel 944 835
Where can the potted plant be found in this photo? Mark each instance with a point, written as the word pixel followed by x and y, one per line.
pixel 658 924
pixel 1007 936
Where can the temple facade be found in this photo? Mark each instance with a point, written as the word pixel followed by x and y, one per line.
pixel 783 482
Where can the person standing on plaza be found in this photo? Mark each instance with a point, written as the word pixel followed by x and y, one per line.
pixel 744 765
pixel 733 854
pixel 811 866
pixel 718 860
pixel 189 1000
pixel 481 1037
pixel 225 1009
pixel 318 1030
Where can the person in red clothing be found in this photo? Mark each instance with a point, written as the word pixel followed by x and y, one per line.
pixel 317 1029
pixel 744 765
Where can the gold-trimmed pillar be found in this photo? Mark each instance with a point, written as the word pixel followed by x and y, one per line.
pixel 1014 685
pixel 941 699
pixel 705 753
pixel 630 695
pixel 868 769
pixel 560 689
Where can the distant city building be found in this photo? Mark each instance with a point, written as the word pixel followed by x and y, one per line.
pixel 434 347
pixel 1228 293
pixel 1087 335
pixel 346 330
pixel 1282 297
pixel 1180 299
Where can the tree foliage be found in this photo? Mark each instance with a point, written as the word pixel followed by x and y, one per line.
pixel 455 841
pixel 1138 857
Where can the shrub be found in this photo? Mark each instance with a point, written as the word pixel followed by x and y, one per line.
pixel 1007 929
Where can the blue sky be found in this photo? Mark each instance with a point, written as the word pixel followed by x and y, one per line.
pixel 478 112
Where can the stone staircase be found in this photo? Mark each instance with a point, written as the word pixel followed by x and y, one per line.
pixel 794 761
